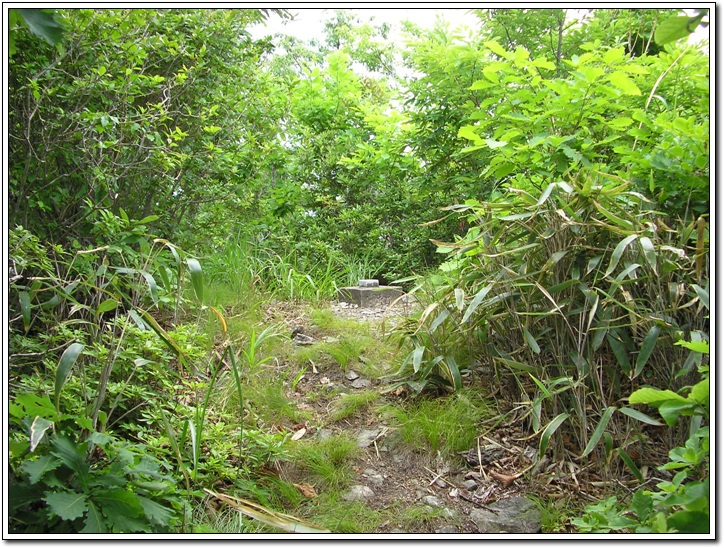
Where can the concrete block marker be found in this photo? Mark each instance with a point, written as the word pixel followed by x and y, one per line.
pixel 369 294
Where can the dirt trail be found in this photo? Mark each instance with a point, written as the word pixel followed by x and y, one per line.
pixel 446 492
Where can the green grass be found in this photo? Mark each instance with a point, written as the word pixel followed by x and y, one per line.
pixel 350 404
pixel 328 461
pixel 341 516
pixel 447 424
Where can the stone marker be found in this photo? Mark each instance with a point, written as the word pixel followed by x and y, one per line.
pixel 517 515
pixel 369 294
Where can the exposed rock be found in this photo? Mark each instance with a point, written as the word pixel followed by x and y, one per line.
pixel 366 437
pixel 361 383
pixel 377 480
pixel 324 433
pixel 488 454
pixel 351 375
pixel 358 492
pixel 447 530
pixel 432 501
pixel 518 515
pixel 470 485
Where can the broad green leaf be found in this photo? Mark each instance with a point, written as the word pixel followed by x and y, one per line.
pixel 120 507
pixel 548 432
pixel 647 347
pixel 631 466
pixel 106 306
pixel 689 522
pixel 675 28
pixel 197 278
pixel 468 132
pixel 654 396
pixel 73 456
pixel 68 506
pixel 618 252
pixel 638 415
pixel 65 364
pixel 700 392
pixel 148 219
pixel 498 50
pixel 37 431
pixel 598 432
pixel 531 341
pixel 649 252
pixel 25 309
pixel 155 512
pixel 671 410
pixel 476 302
pixel 36 469
pixel 620 123
pixel 95 523
pixel 43 25
pixel 492 143
pixel 622 81
pixel 696 346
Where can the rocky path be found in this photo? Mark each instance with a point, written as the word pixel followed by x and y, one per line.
pixel 480 496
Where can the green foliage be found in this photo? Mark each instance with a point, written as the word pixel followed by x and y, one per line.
pixel 680 505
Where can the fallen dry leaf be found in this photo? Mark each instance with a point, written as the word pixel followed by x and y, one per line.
pixel 324 380
pixel 306 489
pixel 503 478
pixel 299 434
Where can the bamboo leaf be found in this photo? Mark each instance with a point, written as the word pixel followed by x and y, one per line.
pixel 655 397
pixel 270 517
pixel 151 285
pixel 647 347
pixel 548 432
pixel 161 332
pixel 459 299
pixel 517 365
pixel 476 302
pixel 197 278
pixel 598 432
pixel 703 295
pixel 619 350
pixel 417 357
pixel 631 466
pixel 620 248
pixel 453 372
pixel 649 252
pixel 25 309
pixel 639 416
pixel 531 341
pixel 106 306
pixel 224 327
pixel 65 364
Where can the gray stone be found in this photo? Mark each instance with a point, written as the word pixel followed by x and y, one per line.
pixel 324 434
pixel 351 375
pixel 470 485
pixel 518 515
pixel 432 501
pixel 369 283
pixel 366 437
pixel 377 480
pixel 358 492
pixel 447 530
pixel 370 297
pixel 361 383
